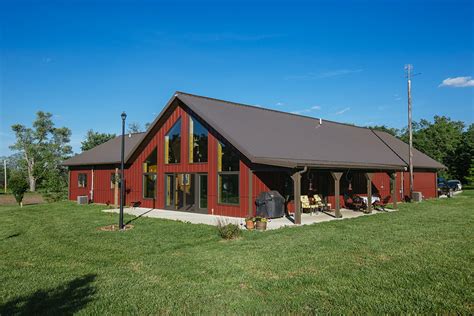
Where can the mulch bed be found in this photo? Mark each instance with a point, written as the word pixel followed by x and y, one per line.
pixel 114 228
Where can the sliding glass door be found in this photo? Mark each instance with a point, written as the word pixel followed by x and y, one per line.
pixel 186 192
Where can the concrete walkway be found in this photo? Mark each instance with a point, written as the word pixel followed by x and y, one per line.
pixel 197 218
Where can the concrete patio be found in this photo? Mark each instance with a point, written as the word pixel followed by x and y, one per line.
pixel 197 218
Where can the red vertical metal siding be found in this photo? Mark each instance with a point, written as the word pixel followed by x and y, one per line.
pixel 261 181
pixel 74 188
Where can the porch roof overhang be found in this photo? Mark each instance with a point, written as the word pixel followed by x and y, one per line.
pixel 329 165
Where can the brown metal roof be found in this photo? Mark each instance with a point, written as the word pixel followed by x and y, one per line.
pixel 284 139
pixel 106 153
pixel 420 160
pixel 277 138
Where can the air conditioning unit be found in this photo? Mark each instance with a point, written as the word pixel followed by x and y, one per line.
pixel 417 197
pixel 82 199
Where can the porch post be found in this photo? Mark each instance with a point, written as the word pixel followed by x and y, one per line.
pixel 368 176
pixel 250 199
pixel 116 187
pixel 394 191
pixel 337 177
pixel 296 196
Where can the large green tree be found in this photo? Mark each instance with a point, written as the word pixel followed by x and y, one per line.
pixel 94 139
pixel 460 162
pixel 43 147
pixel 383 128
pixel 444 140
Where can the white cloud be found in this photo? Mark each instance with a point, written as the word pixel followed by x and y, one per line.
pixel 279 104
pixel 324 75
pixel 458 82
pixel 342 111
pixel 339 72
pixel 307 110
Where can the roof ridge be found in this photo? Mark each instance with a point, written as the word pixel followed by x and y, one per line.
pixel 268 109
pixel 385 143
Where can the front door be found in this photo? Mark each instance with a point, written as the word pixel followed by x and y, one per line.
pixel 186 192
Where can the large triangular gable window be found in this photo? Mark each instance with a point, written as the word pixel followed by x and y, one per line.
pixel 173 144
pixel 198 139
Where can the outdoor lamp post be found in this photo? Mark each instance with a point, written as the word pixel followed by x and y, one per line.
pixel 122 183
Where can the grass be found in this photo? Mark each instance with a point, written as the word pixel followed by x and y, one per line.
pixel 420 260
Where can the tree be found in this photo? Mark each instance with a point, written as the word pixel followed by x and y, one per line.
pixel 383 128
pixel 460 162
pixel 43 147
pixel 134 128
pixel 470 177
pixel 94 139
pixel 18 186
pixel 439 139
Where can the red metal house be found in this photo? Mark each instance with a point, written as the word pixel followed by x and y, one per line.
pixel 212 156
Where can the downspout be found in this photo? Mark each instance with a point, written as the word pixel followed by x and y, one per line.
pixel 92 185
pixel 303 171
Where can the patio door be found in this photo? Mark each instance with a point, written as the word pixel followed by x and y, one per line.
pixel 185 192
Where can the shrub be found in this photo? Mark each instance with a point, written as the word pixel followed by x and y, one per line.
pixel 228 230
pixel 18 186
pixel 55 187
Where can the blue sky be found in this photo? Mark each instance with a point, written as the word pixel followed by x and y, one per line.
pixel 86 61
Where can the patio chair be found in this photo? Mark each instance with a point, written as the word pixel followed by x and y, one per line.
pixel 354 202
pixel 306 204
pixel 382 203
pixel 318 201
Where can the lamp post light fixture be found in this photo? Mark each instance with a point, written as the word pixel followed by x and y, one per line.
pixel 122 177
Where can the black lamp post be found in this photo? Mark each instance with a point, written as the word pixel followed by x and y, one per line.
pixel 122 178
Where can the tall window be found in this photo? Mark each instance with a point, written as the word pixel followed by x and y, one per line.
pixel 149 176
pixel 197 141
pixel 82 180
pixel 113 180
pixel 228 174
pixel 173 144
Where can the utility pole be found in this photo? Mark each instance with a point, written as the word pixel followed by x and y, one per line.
pixel 5 174
pixel 409 74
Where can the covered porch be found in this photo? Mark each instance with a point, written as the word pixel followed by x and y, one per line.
pixel 336 188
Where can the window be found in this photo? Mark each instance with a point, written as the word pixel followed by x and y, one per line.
pixel 149 176
pixel 173 144
pixel 82 180
pixel 228 174
pixel 197 141
pixel 113 180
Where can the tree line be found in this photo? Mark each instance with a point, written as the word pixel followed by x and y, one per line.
pixel 41 148
pixel 447 141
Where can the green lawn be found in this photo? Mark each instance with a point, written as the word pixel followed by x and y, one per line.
pixel 420 259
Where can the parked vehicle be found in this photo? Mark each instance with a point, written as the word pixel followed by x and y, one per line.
pixel 455 185
pixel 443 188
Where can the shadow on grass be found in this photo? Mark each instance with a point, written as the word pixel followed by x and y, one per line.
pixel 65 299
pixel 13 236
pixel 139 216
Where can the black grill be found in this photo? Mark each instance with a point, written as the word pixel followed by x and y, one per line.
pixel 270 204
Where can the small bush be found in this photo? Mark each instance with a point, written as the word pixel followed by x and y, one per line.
pixel 55 187
pixel 228 230
pixel 18 186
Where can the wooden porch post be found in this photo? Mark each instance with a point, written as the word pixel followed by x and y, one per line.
pixel 116 187
pixel 369 176
pixel 394 191
pixel 250 199
pixel 337 177
pixel 296 196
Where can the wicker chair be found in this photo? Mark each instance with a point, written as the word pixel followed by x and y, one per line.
pixel 306 204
